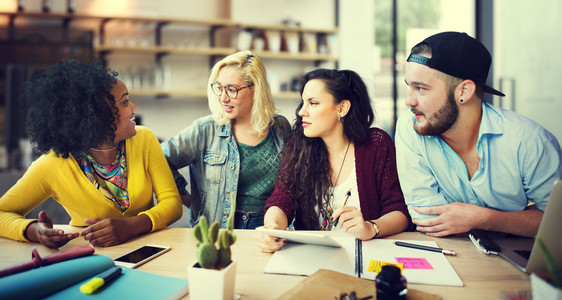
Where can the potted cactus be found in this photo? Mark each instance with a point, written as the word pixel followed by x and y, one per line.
pixel 213 275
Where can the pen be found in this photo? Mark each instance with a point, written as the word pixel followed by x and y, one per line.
pixel 422 247
pixel 344 202
pixel 360 258
pixel 357 254
pixel 100 280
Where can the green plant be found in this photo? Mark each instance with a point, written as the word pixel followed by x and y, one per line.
pixel 213 248
pixel 549 263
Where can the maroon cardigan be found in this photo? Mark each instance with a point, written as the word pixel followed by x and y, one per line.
pixel 377 181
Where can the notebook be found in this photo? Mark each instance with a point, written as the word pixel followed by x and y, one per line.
pixel 363 259
pixel 523 252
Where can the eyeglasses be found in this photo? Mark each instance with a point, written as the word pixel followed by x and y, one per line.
pixel 231 91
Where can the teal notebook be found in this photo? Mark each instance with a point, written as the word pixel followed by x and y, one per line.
pixel 63 281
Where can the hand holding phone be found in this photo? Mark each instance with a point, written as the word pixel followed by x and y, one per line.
pixel 140 256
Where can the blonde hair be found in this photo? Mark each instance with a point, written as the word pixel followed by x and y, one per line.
pixel 253 71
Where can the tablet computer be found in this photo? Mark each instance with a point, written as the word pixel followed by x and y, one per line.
pixel 302 237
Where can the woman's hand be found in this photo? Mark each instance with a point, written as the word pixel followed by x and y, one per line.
pixel 274 218
pixel 43 232
pixel 351 222
pixel 111 232
pixel 185 200
pixel 267 243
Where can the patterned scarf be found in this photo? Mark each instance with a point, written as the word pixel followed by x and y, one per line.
pixel 110 180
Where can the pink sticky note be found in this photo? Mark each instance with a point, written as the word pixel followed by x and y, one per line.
pixel 414 263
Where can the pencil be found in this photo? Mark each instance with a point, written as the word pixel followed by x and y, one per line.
pixel 427 248
pixel 344 202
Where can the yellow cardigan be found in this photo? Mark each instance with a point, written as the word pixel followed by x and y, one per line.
pixel 63 180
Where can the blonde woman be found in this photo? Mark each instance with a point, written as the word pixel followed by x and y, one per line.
pixel 234 152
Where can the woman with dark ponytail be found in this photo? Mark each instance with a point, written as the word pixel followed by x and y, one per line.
pixel 335 167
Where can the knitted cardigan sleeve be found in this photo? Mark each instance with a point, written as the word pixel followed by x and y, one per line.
pixel 377 177
pixel 280 197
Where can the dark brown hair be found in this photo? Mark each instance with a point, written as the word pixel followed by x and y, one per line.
pixel 306 165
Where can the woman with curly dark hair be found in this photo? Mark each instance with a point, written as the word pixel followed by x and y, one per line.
pixel 336 166
pixel 100 166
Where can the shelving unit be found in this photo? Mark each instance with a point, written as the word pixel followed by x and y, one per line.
pixel 224 51
pixel 162 50
pixel 200 94
pixel 103 48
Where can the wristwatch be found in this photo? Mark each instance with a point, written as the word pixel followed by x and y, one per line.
pixel 376 227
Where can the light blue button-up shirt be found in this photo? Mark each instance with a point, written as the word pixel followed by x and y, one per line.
pixel 211 152
pixel 519 162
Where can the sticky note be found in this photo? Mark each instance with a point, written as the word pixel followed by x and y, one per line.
pixel 375 266
pixel 414 263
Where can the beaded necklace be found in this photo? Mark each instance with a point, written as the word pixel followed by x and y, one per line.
pixel 328 205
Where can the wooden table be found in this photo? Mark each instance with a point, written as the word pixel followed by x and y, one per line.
pixel 484 276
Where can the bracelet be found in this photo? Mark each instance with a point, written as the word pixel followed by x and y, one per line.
pixel 376 227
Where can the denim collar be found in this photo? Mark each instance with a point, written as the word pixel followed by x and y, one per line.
pixel 225 130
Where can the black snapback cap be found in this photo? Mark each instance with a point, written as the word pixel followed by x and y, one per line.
pixel 458 55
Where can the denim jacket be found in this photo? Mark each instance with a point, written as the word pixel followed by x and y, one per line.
pixel 211 152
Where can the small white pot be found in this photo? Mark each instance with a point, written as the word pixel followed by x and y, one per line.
pixel 211 284
pixel 542 289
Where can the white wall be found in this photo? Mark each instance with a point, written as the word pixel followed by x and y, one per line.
pixel 456 15
pixel 357 39
pixel 527 61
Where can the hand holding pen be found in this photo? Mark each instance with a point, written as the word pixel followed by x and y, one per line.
pixel 335 222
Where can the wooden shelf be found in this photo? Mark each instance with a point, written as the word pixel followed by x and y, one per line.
pixel 198 94
pixel 168 50
pixel 202 22
pixel 281 27
pixel 158 49
pixel 164 94
pixel 67 16
pixel 295 56
pixel 216 51
pixel 287 95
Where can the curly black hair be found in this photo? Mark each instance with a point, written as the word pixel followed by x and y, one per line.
pixel 306 164
pixel 71 108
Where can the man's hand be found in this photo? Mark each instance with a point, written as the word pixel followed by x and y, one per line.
pixel 43 232
pixel 452 218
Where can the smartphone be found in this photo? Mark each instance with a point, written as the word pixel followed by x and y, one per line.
pixel 141 255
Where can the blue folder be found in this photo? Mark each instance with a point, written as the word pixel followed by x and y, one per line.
pixel 63 281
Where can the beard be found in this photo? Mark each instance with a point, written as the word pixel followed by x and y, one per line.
pixel 441 121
